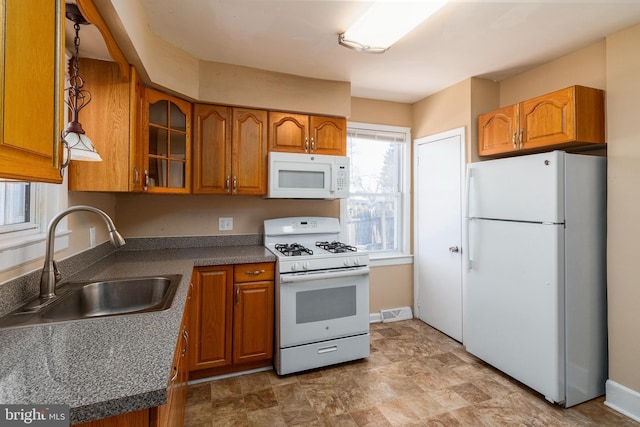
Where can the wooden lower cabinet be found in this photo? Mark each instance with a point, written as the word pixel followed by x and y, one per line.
pixel 253 313
pixel 232 318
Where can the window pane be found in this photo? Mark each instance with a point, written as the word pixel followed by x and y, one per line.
pixel 15 200
pixel 374 208
pixel 375 165
pixel 373 222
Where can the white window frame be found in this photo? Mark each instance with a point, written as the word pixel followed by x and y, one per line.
pixel 29 243
pixel 403 254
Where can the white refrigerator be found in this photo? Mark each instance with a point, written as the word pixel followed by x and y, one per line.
pixel 536 271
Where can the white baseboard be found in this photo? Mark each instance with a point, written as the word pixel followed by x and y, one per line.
pixel 623 399
pixel 375 317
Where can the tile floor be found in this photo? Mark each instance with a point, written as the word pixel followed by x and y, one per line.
pixel 415 376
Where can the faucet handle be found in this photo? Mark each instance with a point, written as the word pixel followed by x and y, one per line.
pixel 56 271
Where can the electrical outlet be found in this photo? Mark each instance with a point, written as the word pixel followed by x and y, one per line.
pixel 225 224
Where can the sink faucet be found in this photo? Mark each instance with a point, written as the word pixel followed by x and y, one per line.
pixel 50 273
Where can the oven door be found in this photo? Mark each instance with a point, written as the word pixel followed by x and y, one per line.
pixel 322 305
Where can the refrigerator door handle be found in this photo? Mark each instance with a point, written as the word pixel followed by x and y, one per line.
pixel 468 184
pixel 468 245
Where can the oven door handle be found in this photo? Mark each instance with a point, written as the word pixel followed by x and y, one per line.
pixel 323 275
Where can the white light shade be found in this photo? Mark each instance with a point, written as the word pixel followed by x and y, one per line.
pixel 81 148
pixel 386 22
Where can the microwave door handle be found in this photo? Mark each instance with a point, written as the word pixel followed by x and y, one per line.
pixel 334 178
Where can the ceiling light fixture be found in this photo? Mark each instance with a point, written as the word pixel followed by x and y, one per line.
pixel 79 146
pixel 386 22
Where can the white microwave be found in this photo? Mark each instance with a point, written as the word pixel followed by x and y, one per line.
pixel 308 176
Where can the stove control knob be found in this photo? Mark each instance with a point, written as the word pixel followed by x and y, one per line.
pixel 294 266
pixel 306 265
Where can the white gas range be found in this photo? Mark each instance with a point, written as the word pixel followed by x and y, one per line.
pixel 322 294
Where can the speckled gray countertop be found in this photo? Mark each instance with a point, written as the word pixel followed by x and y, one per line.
pixel 108 366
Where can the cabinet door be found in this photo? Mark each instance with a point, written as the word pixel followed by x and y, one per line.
pixel 212 149
pixel 31 65
pixel 548 119
pixel 111 121
pixel 211 317
pixel 253 322
pixel 498 131
pixel 288 132
pixel 569 117
pixel 249 152
pixel 167 136
pixel 328 135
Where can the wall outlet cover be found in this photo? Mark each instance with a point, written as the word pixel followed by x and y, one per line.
pixel 225 224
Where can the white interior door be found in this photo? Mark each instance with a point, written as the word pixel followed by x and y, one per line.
pixel 438 176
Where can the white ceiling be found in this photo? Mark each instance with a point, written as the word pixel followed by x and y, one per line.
pixel 465 38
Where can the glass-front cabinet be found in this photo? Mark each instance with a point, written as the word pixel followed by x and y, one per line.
pixel 167 137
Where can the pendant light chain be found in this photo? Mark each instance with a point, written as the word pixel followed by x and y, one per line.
pixel 78 97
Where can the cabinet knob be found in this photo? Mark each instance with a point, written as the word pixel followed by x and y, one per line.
pixel 146 180
pixel 227 184
pixel 235 183
pixel 454 249
pixel 513 140
pixel 254 272
pixel 313 145
pixel 306 144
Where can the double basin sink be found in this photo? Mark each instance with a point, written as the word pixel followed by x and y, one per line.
pixel 92 299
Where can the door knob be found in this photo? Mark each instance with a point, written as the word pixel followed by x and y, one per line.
pixel 454 249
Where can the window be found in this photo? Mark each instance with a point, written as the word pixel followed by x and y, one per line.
pixel 17 207
pixel 25 211
pixel 375 217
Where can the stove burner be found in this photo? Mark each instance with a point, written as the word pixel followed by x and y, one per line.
pixel 293 249
pixel 336 247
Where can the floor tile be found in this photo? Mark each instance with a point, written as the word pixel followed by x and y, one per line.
pixel 415 376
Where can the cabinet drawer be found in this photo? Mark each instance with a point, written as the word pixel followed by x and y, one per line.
pixel 253 272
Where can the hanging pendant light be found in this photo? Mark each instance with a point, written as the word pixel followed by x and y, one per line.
pixel 79 146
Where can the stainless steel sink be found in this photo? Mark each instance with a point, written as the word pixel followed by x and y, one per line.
pixel 91 299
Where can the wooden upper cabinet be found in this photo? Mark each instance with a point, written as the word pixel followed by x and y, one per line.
pixel 288 132
pixel 31 92
pixel 568 118
pixel 574 114
pixel 328 135
pixel 211 149
pixel 249 152
pixel 112 121
pixel 300 133
pixel 166 139
pixel 230 150
pixel 498 131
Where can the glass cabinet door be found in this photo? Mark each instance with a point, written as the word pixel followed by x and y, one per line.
pixel 168 136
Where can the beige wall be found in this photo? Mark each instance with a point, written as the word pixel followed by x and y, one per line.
pixel 380 112
pixel 585 67
pixel 167 67
pixel 445 110
pixel 623 244
pixel 144 215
